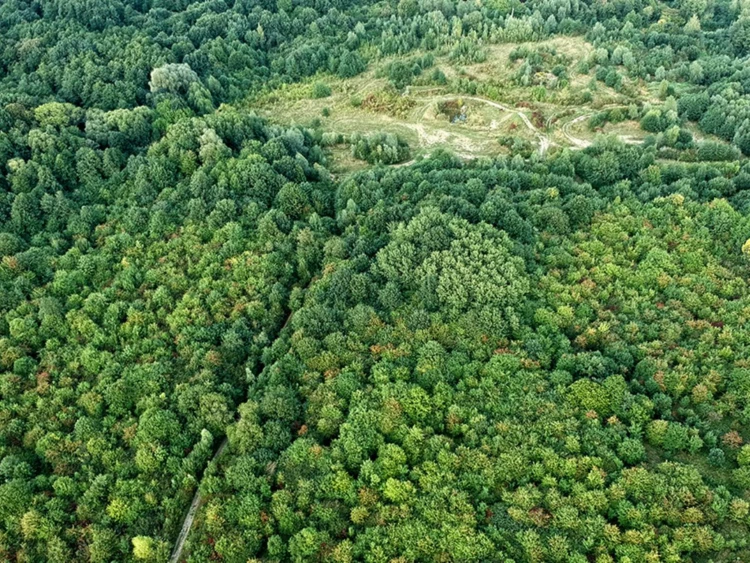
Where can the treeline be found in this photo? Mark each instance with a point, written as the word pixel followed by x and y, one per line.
pixel 101 54
pixel 695 53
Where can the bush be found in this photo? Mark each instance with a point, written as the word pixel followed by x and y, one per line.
pixel 653 121
pixel 400 74
pixel 321 90
pixel 330 138
pixel 693 106
pixel 631 451
pixel 438 77
pixel 716 457
pixel 174 78
pixel 351 64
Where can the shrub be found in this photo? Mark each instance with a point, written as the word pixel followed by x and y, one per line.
pixel 321 90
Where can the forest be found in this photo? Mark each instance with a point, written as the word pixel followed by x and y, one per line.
pixel 341 347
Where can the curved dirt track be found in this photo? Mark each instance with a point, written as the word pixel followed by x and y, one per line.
pixel 578 143
pixel 544 141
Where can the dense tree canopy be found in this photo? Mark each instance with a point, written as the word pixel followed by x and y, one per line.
pixel 457 391
pixel 534 357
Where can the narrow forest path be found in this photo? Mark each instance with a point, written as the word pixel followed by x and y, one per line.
pixel 187 522
pixel 441 136
pixel 579 143
pixel 544 141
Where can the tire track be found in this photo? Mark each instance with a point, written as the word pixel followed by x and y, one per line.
pixel 544 141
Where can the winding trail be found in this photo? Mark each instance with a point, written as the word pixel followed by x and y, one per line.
pixel 544 141
pixel 579 143
pixel 428 138
pixel 417 114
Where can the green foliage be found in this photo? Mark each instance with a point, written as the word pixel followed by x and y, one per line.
pixel 653 121
pixel 538 359
pixel 383 148
pixel 713 151
pixel 468 51
pixel 539 66
pixel 321 90
pixel 147 351
pixel 557 411
pixel 173 78
pixel 400 73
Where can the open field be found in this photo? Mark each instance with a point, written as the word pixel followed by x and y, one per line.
pixel 368 104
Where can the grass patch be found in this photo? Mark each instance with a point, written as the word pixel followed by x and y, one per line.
pixel 439 113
